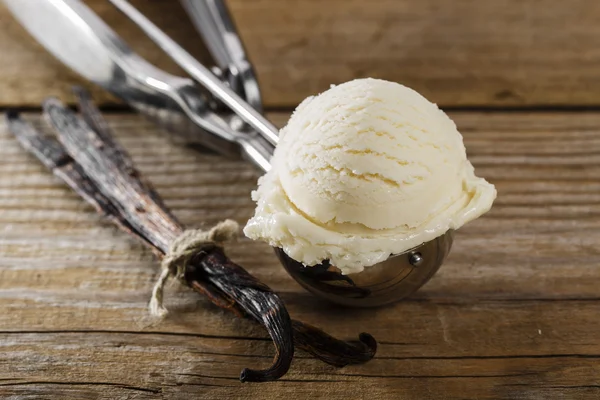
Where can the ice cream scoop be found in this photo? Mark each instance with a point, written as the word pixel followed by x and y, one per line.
pixel 365 171
pixel 368 174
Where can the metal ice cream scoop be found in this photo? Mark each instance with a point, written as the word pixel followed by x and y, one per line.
pixel 228 120
pixel 386 282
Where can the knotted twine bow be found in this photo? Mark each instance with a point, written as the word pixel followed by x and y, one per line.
pixel 190 243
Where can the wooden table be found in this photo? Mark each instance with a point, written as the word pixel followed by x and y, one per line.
pixel 513 313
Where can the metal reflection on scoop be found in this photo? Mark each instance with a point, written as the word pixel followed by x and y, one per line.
pixel 386 282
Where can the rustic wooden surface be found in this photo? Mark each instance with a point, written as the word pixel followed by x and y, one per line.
pixel 512 314
pixel 457 53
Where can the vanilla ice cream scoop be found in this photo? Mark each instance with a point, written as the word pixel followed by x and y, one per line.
pixel 365 170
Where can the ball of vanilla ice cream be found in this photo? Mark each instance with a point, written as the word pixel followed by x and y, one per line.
pixel 365 170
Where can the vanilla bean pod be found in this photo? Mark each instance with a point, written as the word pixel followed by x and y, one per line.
pixel 95 166
pixel 54 157
pixel 91 115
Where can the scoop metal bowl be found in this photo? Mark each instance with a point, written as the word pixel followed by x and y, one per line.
pixel 386 282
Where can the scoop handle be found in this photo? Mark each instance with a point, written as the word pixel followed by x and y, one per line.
pixel 200 73
pixel 213 21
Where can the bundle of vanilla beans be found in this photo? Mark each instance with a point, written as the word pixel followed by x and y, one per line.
pixel 88 159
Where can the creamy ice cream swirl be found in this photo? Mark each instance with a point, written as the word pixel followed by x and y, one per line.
pixel 364 170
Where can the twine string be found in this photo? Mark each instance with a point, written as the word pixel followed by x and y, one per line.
pixel 189 244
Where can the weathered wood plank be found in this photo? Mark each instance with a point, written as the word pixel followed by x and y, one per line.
pixel 206 367
pixel 512 314
pixel 458 53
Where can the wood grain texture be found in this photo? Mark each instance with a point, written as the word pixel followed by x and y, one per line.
pixel 512 314
pixel 457 53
